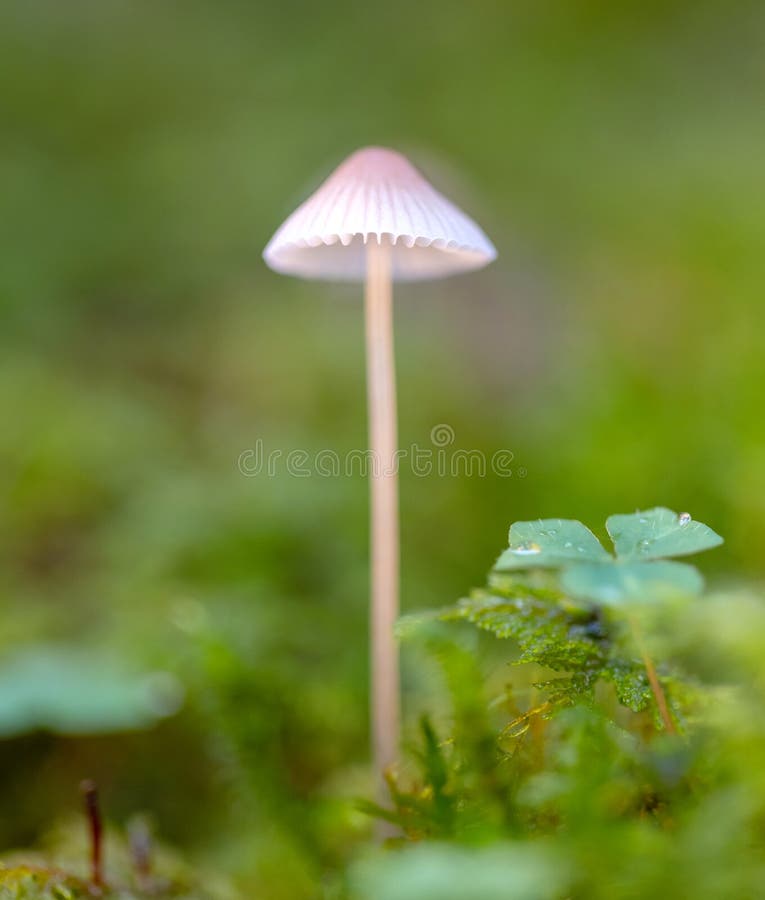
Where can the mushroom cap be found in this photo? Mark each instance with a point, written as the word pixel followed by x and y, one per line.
pixel 377 194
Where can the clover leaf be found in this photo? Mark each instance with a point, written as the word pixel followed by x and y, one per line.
pixel 550 543
pixel 71 691
pixel 659 533
pixel 639 570
pixel 617 582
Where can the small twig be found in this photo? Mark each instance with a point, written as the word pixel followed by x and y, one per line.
pixel 90 793
pixel 653 679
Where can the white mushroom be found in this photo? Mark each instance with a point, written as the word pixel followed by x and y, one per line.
pixel 376 219
pixel 378 196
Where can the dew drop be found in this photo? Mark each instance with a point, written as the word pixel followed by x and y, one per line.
pixel 643 521
pixel 527 548
pixel 568 545
pixel 643 545
pixel 684 518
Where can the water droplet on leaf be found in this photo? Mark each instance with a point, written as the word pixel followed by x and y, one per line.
pixel 684 518
pixel 527 548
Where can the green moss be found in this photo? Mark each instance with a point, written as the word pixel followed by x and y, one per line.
pixel 24 882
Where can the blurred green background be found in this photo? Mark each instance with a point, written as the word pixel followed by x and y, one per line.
pixel 614 154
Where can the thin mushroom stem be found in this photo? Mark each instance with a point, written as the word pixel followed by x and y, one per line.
pixel 384 534
pixel 653 679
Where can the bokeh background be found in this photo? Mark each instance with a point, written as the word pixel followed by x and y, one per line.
pixel 196 639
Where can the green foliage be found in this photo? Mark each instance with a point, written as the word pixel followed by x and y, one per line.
pixel 554 603
pixel 60 873
pixel 555 633
pixel 659 533
pixel 550 543
pixel 588 571
pixel 576 796
pixel 24 882
pixel 500 872
pixel 624 582
pixel 590 803
pixel 59 690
